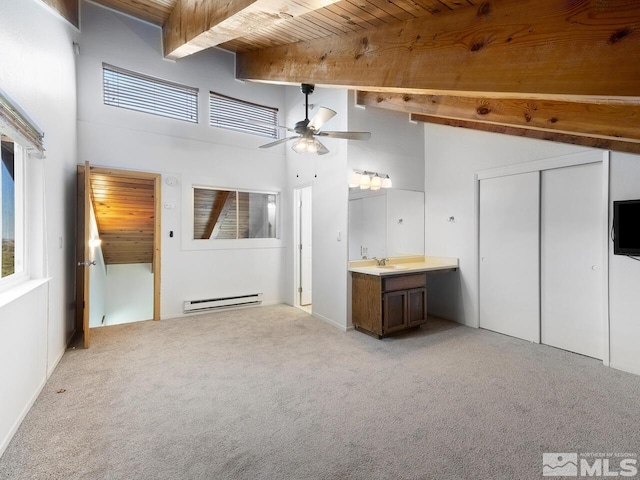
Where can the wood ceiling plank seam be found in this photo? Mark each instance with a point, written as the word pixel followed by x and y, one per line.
pixel 283 36
pixel 456 4
pixel 348 27
pixel 133 189
pixel 300 30
pixel 256 40
pixel 351 18
pixel 121 181
pixel 315 28
pixel 277 36
pixel 354 14
pixel 391 10
pixel 273 37
pixel 324 19
pixel 433 7
pixel 410 8
pixel 103 197
pixel 445 5
pixel 318 27
pixel 381 18
pixel 414 8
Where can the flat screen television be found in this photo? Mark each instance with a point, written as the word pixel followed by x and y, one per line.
pixel 626 227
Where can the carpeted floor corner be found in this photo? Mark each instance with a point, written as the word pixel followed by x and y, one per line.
pixel 273 393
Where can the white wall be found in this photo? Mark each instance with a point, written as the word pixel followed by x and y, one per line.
pixel 38 72
pixel 624 273
pixel 396 146
pixel 328 176
pixel 120 138
pixel 453 155
pixel 129 293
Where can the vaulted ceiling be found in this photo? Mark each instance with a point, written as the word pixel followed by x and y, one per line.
pixel 562 70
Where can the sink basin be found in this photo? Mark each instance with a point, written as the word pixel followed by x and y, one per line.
pixel 392 267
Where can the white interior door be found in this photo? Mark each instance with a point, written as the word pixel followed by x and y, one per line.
pixel 510 255
pixel 571 259
pixel 306 248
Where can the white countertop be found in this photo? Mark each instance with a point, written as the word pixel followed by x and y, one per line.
pixel 403 265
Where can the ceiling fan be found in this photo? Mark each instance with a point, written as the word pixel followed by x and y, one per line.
pixel 307 130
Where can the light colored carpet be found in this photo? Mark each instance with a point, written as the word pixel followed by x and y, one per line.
pixel 272 393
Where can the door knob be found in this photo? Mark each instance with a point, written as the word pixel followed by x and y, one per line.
pixel 595 268
pixel 86 264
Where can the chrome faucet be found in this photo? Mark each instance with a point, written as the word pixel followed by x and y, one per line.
pixel 380 262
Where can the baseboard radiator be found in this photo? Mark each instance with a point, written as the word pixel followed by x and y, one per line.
pixel 222 302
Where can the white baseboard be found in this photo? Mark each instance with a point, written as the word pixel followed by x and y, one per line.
pixel 23 414
pixel 222 309
pixel 329 321
pixel 625 368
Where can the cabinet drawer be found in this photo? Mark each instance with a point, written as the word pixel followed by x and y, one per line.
pixel 404 282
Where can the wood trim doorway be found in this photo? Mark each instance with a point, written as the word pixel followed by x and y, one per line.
pixel 133 246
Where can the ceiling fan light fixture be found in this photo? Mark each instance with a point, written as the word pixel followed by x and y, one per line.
pixel 306 145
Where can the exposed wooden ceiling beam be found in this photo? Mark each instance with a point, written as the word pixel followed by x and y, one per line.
pixel 612 120
pixel 606 144
pixel 503 48
pixel 198 24
pixel 216 210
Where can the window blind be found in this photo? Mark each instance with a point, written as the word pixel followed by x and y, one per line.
pixel 135 91
pixel 234 114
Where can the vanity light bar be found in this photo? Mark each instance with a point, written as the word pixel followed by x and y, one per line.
pixel 366 179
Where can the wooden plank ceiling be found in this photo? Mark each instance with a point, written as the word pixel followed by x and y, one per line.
pixel 568 69
pixel 124 209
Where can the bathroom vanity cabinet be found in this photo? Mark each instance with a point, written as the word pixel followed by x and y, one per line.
pixel 385 305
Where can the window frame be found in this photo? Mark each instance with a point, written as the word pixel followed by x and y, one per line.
pixel 237 193
pixel 189 243
pixel 21 230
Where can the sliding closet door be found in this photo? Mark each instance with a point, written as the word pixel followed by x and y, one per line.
pixel 571 259
pixel 510 255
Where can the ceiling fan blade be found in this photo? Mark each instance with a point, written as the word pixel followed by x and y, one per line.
pixel 347 135
pixel 322 150
pixel 321 117
pixel 277 142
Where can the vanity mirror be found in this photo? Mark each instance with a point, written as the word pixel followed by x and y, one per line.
pixel 385 223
